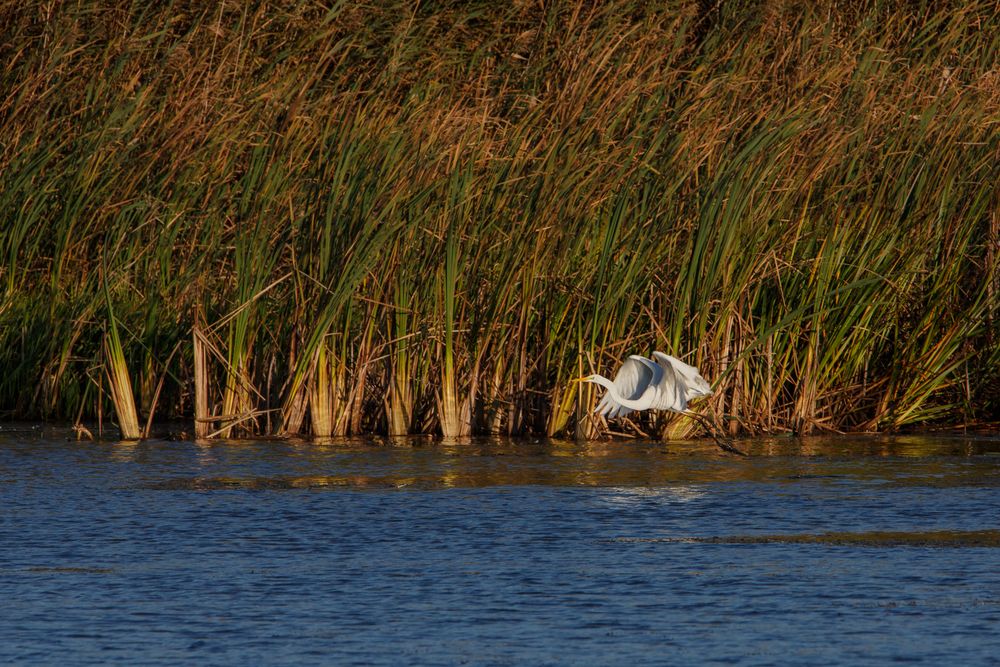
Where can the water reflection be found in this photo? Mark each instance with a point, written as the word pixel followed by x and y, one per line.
pixel 354 463
pixel 636 465
pixel 680 493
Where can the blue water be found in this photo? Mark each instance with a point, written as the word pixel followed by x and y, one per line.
pixel 417 553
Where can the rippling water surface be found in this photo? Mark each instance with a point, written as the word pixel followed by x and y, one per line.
pixel 812 552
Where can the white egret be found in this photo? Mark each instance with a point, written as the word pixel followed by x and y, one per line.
pixel 644 384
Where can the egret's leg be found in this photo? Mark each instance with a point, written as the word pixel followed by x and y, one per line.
pixel 725 444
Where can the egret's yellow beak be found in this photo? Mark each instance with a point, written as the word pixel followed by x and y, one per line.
pixel 583 378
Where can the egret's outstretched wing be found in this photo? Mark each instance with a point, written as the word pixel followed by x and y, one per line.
pixel 694 385
pixel 670 389
pixel 631 382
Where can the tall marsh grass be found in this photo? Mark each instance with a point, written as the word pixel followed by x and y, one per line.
pixel 429 217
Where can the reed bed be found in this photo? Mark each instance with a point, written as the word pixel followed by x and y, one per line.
pixel 333 218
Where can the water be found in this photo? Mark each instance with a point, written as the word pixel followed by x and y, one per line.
pixel 818 552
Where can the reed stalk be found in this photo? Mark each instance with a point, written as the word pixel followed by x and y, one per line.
pixel 399 398
pixel 120 383
pixel 321 394
pixel 202 412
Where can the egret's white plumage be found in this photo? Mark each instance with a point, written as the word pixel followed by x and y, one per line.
pixel 688 377
pixel 664 384
pixel 634 388
pixel 643 384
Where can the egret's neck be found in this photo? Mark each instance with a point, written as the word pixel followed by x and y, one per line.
pixel 619 399
pixel 603 381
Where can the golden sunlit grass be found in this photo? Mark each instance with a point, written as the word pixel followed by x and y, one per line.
pixel 430 217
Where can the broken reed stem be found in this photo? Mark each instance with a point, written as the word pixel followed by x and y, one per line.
pixel 156 394
pixel 202 421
